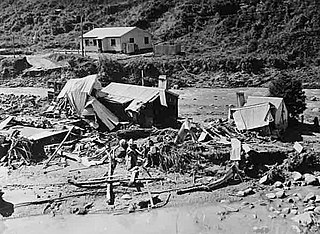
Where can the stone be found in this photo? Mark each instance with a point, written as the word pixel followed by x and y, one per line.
pixel 304 219
pixel 309 196
pixel 317 199
pixel 271 195
pixel 296 176
pixel 310 179
pixel 280 194
pixel 294 212
pixel 272 209
pixel 276 212
pixel 278 184
pixel 264 180
pixel 317 210
pixel 286 210
pixel 309 208
pixel 245 203
pixel 248 191
pixel 240 194
pixel 126 197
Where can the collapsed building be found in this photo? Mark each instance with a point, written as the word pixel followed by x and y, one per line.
pixel 119 104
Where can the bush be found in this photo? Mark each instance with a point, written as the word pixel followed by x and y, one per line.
pixel 290 90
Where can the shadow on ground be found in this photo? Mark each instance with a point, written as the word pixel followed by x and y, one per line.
pixel 296 130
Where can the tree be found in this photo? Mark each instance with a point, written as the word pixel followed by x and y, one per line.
pixel 290 89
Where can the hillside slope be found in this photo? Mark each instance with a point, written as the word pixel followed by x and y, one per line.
pixel 248 36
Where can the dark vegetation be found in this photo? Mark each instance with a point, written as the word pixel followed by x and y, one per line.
pixel 292 93
pixel 248 38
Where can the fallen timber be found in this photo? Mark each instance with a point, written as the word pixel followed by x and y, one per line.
pixel 110 181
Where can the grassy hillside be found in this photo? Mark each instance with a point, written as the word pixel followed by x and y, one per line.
pixel 231 36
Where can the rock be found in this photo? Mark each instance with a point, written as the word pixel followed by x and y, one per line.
pixel 280 194
pixel 264 180
pixel 126 197
pixel 294 212
pixel 278 184
pixel 272 209
pixel 317 199
pixel 309 208
pixel 304 219
pixel 225 201
pixel 248 191
pixel 296 176
pixel 251 206
pixel 317 210
pixel 276 212
pixel 286 210
pixel 310 179
pixel 245 203
pixel 309 196
pixel 313 98
pixel 271 195
pixel 240 194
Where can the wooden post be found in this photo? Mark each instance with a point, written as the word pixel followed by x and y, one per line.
pixel 82 49
pixel 240 99
pixel 110 193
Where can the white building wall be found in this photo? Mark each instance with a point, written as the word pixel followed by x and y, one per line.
pixel 138 35
pixel 106 44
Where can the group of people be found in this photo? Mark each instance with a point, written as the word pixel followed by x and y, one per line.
pixel 128 151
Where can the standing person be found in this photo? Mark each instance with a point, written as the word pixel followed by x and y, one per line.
pixel 132 156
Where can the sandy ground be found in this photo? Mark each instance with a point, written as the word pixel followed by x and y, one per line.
pixel 200 212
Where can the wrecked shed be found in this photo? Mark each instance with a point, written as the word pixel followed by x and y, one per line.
pixel 253 117
pixel 81 95
pixel 279 112
pixel 147 106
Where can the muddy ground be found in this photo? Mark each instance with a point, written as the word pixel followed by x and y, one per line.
pixel 219 211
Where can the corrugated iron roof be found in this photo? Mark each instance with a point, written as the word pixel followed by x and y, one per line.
pixel 135 92
pixel 101 33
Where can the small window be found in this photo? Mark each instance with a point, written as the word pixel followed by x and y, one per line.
pixel 95 42
pixel 131 40
pixel 113 42
pixel 86 42
pixel 146 40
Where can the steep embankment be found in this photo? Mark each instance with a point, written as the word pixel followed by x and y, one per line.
pixel 251 39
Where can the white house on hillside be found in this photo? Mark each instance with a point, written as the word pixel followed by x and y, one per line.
pixel 117 39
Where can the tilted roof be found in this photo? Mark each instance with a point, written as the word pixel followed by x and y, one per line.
pixel 122 93
pixel 252 117
pixel 252 100
pixel 100 33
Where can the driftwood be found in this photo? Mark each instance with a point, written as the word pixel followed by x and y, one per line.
pixel 212 185
pixel 57 149
pixel 107 180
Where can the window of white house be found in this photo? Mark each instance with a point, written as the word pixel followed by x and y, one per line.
pixel 86 42
pixel 131 40
pixel 113 42
pixel 95 42
pixel 146 40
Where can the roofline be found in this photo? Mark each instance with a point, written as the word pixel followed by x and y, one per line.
pixel 250 106
pixel 166 90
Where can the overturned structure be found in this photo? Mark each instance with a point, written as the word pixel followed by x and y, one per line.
pixel 81 95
